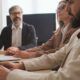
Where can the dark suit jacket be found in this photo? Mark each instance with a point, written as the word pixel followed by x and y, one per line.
pixel 28 37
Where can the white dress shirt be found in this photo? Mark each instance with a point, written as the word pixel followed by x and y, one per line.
pixel 16 36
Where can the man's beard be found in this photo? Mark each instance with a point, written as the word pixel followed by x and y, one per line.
pixel 17 21
pixel 76 21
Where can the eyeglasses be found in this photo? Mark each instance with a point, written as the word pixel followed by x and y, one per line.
pixel 14 13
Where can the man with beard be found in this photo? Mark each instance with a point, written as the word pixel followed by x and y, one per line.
pixel 17 35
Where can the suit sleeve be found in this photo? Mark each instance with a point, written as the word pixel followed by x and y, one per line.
pixel 1 44
pixel 31 39
pixel 45 61
pixel 2 38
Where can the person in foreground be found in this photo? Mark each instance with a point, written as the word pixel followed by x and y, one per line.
pixel 59 38
pixel 18 34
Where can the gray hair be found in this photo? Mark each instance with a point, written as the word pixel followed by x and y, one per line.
pixel 13 8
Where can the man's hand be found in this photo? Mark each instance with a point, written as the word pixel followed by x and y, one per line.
pixel 11 65
pixel 22 54
pixel 12 51
pixel 3 72
pixel 25 54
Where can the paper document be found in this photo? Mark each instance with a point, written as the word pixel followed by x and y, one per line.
pixel 8 58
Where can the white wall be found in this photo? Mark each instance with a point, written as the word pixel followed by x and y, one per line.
pixel 28 6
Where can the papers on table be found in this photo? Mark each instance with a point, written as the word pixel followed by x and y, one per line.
pixel 8 58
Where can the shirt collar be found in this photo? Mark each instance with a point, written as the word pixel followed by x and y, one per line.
pixel 13 27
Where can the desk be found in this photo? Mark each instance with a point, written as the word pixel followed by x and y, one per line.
pixel 2 52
